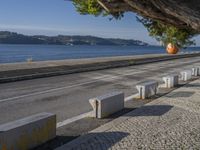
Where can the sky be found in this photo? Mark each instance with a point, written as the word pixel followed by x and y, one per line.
pixel 53 17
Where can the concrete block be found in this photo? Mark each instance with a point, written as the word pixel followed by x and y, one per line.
pixel 171 81
pixel 105 105
pixel 28 133
pixel 147 89
pixel 195 71
pixel 186 75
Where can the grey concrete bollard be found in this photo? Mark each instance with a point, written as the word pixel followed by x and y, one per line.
pixel 195 71
pixel 171 80
pixel 147 89
pixel 28 133
pixel 186 75
pixel 106 105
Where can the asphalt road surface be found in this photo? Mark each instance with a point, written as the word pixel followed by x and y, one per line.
pixel 68 95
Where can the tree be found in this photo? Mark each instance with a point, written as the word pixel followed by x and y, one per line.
pixel 94 7
pixel 165 26
pixel 179 13
pixel 169 34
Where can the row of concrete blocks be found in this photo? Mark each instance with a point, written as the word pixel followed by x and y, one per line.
pixel 106 105
pixel 150 88
pixel 35 130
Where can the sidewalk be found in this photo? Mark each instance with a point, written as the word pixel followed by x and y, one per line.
pixel 170 122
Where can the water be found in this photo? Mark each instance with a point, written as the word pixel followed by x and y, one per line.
pixel 20 53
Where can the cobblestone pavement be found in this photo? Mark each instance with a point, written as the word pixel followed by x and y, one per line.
pixel 170 122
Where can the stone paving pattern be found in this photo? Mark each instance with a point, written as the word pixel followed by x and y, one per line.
pixel 170 122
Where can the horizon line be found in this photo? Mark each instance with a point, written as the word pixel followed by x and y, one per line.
pixel 71 35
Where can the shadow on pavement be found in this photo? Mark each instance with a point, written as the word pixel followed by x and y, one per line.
pixel 180 94
pixel 103 141
pixel 97 141
pixel 151 110
pixel 55 143
pixel 195 85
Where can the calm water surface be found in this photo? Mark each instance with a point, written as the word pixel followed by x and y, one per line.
pixel 20 53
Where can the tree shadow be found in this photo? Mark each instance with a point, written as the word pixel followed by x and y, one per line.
pixel 180 94
pixel 150 110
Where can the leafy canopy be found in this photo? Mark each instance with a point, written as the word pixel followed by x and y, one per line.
pixel 164 33
pixel 169 34
pixel 88 7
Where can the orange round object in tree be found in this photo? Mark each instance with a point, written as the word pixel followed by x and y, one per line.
pixel 172 49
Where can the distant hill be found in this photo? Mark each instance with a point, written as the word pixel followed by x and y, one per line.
pixel 7 37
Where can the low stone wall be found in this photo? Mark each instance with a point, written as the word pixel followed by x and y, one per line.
pixel 25 71
pixel 28 133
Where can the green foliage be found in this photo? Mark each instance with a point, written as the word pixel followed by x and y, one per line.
pixel 92 7
pixel 168 33
pixel 160 31
pixel 88 7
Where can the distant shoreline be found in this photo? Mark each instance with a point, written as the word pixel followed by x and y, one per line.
pixel 195 46
pixel 79 45
pixel 7 37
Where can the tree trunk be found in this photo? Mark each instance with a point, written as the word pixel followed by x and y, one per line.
pixel 180 13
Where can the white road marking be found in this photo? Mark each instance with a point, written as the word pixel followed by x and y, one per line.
pixel 73 119
pixel 70 120
pixel 88 114
pixel 75 85
pixel 65 87
pixel 131 97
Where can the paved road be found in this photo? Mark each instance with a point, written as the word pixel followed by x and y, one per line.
pixel 68 95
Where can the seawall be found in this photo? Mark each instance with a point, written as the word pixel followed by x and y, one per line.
pixel 30 70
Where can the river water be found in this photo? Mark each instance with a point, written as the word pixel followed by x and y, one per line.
pixel 21 53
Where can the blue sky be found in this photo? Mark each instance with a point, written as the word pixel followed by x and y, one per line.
pixel 53 17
